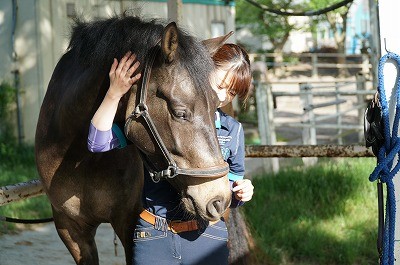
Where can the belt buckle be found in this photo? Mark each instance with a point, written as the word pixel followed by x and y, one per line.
pixel 161 223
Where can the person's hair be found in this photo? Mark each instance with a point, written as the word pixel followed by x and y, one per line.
pixel 235 60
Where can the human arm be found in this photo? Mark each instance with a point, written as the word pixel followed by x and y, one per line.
pixel 103 134
pixel 121 81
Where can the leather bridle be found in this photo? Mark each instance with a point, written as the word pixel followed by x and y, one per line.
pixel 141 110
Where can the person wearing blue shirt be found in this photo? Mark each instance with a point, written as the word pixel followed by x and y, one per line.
pixel 187 241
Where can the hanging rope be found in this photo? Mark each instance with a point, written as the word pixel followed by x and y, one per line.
pixel 384 171
pixel 300 14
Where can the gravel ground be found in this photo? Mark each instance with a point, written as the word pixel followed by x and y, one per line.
pixel 40 245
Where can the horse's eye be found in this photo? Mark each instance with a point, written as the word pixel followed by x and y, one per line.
pixel 180 114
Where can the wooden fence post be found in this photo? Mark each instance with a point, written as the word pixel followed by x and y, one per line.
pixel 314 63
pixel 309 132
pixel 339 117
pixel 361 86
pixel 265 113
pixel 270 126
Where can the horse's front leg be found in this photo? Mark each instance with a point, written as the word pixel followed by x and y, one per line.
pixel 123 222
pixel 78 237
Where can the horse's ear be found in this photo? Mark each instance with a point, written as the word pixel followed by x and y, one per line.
pixel 169 42
pixel 215 43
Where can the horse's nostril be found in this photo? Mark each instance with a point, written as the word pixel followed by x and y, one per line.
pixel 216 208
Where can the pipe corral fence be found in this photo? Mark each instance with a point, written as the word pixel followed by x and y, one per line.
pixel 33 188
pixel 308 96
pixel 335 105
pixel 313 64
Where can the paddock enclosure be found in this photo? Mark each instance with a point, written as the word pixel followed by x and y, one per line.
pixel 314 112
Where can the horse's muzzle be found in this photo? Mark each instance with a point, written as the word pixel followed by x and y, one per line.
pixel 216 207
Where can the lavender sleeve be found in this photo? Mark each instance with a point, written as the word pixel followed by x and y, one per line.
pixel 101 141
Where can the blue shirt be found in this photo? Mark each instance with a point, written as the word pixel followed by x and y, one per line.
pixel 231 141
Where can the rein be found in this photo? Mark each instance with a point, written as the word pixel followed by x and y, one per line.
pixel 388 165
pixel 142 110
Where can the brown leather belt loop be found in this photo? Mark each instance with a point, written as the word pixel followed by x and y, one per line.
pixel 174 226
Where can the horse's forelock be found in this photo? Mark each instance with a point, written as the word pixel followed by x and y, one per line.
pixel 196 59
pixel 96 43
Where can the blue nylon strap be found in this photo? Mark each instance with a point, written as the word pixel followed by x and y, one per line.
pixel 386 156
pixel 120 135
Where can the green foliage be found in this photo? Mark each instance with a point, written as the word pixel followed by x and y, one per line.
pixel 17 164
pixel 338 29
pixel 275 27
pixel 319 215
pixel 7 98
pixel 320 4
pixel 291 59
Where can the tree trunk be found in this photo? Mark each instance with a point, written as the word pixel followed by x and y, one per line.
pixel 343 72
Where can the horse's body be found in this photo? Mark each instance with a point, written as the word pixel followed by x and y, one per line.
pixel 86 189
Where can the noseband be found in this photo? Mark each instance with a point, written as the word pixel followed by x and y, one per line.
pixel 141 110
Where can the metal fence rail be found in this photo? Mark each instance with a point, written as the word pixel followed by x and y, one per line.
pixel 33 188
pixel 351 94
pixel 314 62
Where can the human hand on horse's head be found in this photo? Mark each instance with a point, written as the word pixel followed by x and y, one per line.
pixel 121 78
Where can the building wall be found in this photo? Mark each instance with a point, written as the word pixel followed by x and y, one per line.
pixel 42 33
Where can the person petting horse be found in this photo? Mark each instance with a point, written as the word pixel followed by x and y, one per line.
pixel 165 233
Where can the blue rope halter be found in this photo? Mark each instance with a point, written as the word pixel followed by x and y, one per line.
pixel 386 156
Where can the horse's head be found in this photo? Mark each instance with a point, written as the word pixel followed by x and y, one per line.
pixel 171 120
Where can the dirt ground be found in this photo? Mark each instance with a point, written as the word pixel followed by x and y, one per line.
pixel 40 245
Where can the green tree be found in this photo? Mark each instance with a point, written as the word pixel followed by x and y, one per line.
pixel 337 20
pixel 7 99
pixel 276 28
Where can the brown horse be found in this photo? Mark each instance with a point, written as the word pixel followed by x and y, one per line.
pixel 169 117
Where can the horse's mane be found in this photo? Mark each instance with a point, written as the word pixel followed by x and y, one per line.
pixel 96 43
pixel 93 46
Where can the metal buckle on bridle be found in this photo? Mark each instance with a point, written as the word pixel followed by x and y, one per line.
pixel 140 109
pixel 169 172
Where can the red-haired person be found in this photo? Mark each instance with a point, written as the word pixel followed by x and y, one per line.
pixel 207 243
